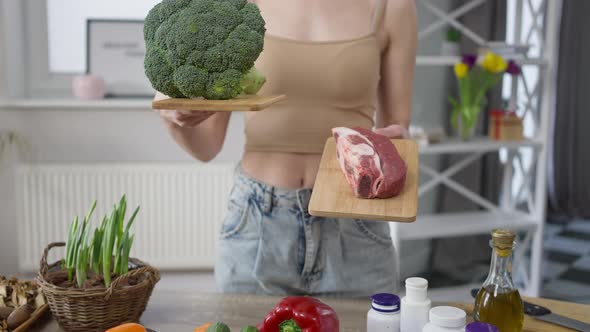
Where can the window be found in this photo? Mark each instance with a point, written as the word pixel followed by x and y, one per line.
pixel 66 27
pixel 526 28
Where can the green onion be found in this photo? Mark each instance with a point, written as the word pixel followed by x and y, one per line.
pixel 96 244
pixel 130 222
pixel 82 259
pixel 69 261
pixel 121 210
pixel 107 246
pixel 95 249
pixel 129 244
pixel 122 251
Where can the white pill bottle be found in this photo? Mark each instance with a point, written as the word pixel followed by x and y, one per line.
pixel 415 305
pixel 446 319
pixel 384 313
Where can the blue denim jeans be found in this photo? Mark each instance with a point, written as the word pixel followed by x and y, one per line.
pixel 269 244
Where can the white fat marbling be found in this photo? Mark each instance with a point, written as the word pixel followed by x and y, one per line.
pixel 355 152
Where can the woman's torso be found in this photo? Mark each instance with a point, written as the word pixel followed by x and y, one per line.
pixel 325 55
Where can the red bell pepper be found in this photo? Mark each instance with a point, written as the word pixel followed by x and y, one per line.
pixel 300 314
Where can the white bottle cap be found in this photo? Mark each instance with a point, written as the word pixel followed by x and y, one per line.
pixel 416 289
pixel 448 317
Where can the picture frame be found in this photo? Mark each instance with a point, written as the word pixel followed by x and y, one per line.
pixel 115 50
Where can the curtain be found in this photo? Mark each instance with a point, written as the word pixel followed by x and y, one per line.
pixel 466 259
pixel 569 179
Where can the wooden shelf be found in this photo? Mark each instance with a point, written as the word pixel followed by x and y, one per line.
pixel 463 223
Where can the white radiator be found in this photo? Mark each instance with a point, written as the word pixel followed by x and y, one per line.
pixel 182 206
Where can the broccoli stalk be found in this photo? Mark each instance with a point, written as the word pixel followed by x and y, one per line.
pixel 252 81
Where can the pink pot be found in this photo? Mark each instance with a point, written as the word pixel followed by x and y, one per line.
pixel 88 87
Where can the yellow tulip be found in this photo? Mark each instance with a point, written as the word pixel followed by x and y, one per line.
pixel 461 70
pixel 494 63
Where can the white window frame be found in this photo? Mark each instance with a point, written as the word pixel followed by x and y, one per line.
pixel 26 52
pixel 41 81
pixel 12 49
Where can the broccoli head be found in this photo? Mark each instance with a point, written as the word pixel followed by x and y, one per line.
pixel 204 48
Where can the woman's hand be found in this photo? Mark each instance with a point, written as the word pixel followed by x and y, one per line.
pixel 206 139
pixel 185 119
pixel 393 131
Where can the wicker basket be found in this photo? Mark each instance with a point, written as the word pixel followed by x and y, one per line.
pixel 97 309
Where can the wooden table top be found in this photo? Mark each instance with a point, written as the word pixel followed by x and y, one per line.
pixel 177 311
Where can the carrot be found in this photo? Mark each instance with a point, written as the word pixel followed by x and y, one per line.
pixel 203 328
pixel 128 327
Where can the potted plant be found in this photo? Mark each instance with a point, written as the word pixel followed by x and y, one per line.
pixel 97 285
pixel 450 46
pixel 475 80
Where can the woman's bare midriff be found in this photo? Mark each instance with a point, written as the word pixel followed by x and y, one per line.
pixel 283 170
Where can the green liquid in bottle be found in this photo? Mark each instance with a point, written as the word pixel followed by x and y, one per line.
pixel 498 302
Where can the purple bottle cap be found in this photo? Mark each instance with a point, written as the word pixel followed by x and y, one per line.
pixel 385 302
pixel 480 327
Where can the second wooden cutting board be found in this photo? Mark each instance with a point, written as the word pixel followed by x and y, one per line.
pixel 333 197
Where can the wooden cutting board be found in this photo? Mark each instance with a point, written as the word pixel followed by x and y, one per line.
pixel 333 197
pixel 250 103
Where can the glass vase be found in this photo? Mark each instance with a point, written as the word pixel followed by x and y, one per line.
pixel 464 120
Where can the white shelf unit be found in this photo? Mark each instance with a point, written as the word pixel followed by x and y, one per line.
pixel 449 60
pixel 521 208
pixel 465 223
pixel 478 144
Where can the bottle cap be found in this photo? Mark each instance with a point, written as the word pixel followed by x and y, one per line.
pixel 503 238
pixel 385 302
pixel 503 241
pixel 416 289
pixel 480 327
pixel 444 316
pixel 416 282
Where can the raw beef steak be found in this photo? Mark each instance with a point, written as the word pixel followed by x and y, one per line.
pixel 370 162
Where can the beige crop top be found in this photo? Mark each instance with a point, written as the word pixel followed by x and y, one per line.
pixel 328 84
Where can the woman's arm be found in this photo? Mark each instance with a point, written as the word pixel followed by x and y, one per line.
pixel 397 65
pixel 201 134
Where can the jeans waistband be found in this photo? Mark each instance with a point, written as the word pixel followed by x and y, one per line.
pixel 272 196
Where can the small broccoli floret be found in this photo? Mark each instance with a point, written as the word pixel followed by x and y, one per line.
pixel 252 81
pixel 152 23
pixel 215 59
pixel 190 80
pixel 196 58
pixel 224 85
pixel 252 18
pixel 170 7
pixel 246 45
pixel 189 42
pixel 239 4
pixel 161 73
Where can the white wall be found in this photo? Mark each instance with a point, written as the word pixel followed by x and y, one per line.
pixel 7 227
pixel 86 135
pixel 2 56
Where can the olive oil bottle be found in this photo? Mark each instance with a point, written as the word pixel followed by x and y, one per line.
pixel 498 302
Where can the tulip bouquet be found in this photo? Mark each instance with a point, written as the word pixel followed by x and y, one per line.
pixel 475 80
